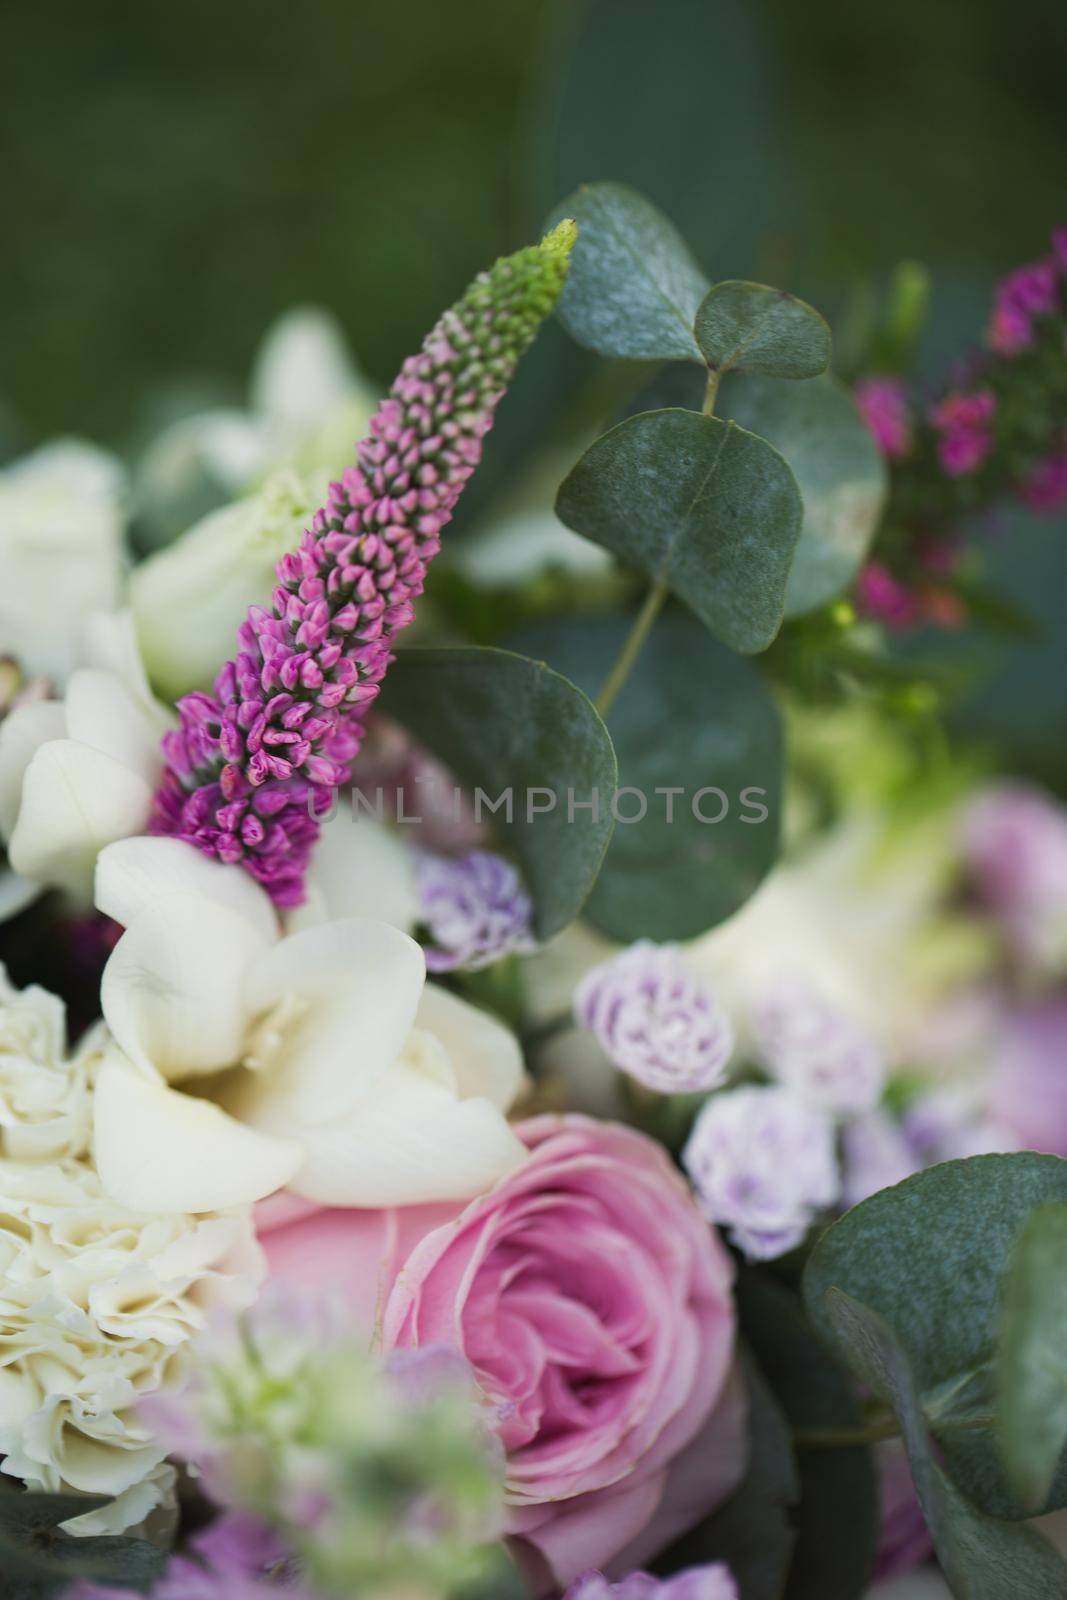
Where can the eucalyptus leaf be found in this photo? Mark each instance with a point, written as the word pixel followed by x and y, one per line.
pixel 633 286
pixel 692 717
pixel 700 505
pixel 38 1559
pixel 836 1518
pixel 502 722
pixel 752 1532
pixel 929 1255
pixel 1032 1361
pixel 751 327
pixel 842 478
pixel 983 1558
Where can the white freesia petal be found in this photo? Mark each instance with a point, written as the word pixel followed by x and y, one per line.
pixel 360 869
pixel 172 988
pixel 347 993
pixel 22 733
pixel 303 371
pixel 159 1150
pixel 485 1055
pixel 16 894
pixel 75 800
pixel 408 1141
pixel 133 873
pixel 104 712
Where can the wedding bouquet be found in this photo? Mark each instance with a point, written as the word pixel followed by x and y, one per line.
pixel 543 1076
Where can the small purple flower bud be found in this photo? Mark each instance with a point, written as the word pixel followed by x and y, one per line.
pixel 762 1163
pixel 816 1050
pixel 656 1021
pixel 475 908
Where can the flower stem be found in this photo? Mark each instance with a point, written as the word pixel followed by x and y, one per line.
pixel 711 391
pixel 631 648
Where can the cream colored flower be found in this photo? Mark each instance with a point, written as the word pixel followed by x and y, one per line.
pixel 244 1062
pixel 44 1095
pixel 79 772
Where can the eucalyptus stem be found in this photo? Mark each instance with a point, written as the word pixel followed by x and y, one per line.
pixel 843 1438
pixel 631 648
pixel 653 602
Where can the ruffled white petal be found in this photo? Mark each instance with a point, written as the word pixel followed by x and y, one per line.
pixel 159 1150
pixel 338 1002
pixel 22 733
pixel 133 873
pixel 75 800
pixel 485 1055
pixel 407 1142
pixel 172 988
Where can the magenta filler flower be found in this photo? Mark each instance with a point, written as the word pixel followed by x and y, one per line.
pixel 250 768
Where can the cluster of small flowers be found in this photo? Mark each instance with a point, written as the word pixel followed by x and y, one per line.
pixel 761 1156
pixel 249 770
pixel 974 446
pixel 475 909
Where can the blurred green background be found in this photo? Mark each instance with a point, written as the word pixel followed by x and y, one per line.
pixel 177 175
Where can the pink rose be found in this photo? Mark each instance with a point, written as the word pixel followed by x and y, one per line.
pixel 595 1305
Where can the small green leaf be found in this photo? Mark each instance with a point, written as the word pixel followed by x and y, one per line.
pixel 753 328
pixel 842 478
pixel 983 1558
pixel 752 1532
pixel 633 286
pixel 929 1255
pixel 504 723
pixel 694 727
pixel 700 504
pixel 38 1559
pixel 837 1484
pixel 1032 1359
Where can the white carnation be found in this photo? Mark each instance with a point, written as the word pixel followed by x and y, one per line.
pixel 98 1303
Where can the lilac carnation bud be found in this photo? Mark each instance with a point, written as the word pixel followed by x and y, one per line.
pixel 713 1582
pixel 762 1162
pixel 1015 841
pixel 655 1020
pixel 875 1155
pixel 816 1050
pixel 475 908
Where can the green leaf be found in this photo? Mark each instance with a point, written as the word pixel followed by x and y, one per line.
pixel 837 1484
pixel 633 286
pixel 691 716
pixel 983 1558
pixel 503 722
pixel 1032 1360
pixel 752 1532
pixel 753 328
pixel 929 1255
pixel 699 504
pixel 37 1558
pixel 842 478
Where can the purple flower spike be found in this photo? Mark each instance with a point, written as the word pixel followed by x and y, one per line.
pixel 250 769
pixel 762 1163
pixel 655 1020
pixel 475 908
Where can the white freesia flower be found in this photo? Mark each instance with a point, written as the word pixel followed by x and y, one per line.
pixel 61 532
pixel 321 1060
pixel 98 1303
pixel 308 403
pixel 79 772
pixel 212 573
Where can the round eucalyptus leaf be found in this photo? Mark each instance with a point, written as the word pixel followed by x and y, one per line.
pixel 699 504
pixel 511 726
pixel 699 744
pixel 1032 1361
pixel 751 327
pixel 929 1255
pixel 842 477
pixel 633 286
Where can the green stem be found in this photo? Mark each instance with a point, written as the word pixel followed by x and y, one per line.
pixel 826 1438
pixel 632 647
pixel 711 391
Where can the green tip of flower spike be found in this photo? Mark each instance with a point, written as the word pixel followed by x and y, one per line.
pixel 559 241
